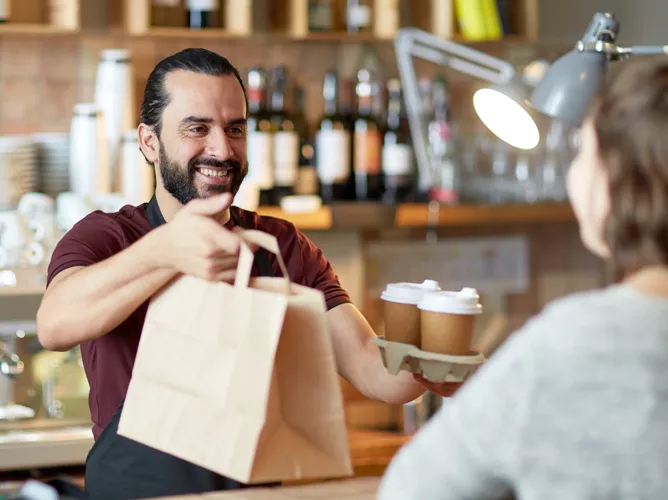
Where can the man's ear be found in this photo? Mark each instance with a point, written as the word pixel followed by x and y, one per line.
pixel 148 143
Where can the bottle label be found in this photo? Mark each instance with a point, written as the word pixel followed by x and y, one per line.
pixel 203 5
pixel 368 147
pixel 286 157
pixel 397 159
pixel 63 13
pixel 307 181
pixel 332 155
pixel 261 159
pixel 358 16
pixel 320 17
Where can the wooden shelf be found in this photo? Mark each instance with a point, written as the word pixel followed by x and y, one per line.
pixel 314 221
pixel 37 18
pixel 359 216
pixel 34 29
pixel 176 32
pixel 378 216
pixel 269 37
pixel 337 36
pixel 417 215
pixel 16 291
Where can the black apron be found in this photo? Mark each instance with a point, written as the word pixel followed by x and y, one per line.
pixel 118 468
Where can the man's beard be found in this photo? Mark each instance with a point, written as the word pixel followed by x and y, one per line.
pixel 180 182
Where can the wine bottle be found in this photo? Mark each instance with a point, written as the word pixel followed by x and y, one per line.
pixel 320 15
pixel 286 138
pixel 358 16
pixel 165 12
pixel 445 182
pixel 307 177
pixel 397 157
pixel 260 139
pixel 333 144
pixel 4 10
pixel 367 143
pixel 203 14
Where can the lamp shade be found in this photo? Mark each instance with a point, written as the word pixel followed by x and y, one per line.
pixel 504 113
pixel 568 87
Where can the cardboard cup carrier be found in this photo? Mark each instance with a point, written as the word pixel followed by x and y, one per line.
pixel 445 333
pixel 402 316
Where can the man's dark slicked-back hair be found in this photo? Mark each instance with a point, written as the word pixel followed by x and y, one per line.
pixel 201 61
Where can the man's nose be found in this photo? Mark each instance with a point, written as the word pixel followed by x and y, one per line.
pixel 218 145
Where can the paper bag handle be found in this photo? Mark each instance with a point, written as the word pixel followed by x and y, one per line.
pixel 246 256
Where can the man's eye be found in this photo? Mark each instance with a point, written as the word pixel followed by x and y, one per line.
pixel 236 131
pixel 197 130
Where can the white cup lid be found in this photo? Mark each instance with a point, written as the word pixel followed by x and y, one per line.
pixel 466 301
pixel 408 293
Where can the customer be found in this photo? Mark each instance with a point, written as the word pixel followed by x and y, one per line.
pixel 105 269
pixel 575 405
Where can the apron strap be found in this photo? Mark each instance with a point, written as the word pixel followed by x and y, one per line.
pixel 262 261
pixel 153 213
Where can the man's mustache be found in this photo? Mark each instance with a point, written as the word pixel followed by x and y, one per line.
pixel 212 162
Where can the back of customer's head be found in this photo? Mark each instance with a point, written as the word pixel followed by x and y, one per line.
pixel 618 183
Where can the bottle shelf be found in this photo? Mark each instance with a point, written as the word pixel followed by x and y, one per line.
pixel 307 221
pixel 35 29
pixel 366 215
pixel 377 216
pixel 37 17
pixel 289 19
pixel 278 20
pixel 10 291
pixel 418 215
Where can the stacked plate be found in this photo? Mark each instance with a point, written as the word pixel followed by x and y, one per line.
pixel 54 157
pixel 19 172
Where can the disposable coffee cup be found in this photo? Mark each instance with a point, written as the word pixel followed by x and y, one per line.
pixel 447 320
pixel 402 316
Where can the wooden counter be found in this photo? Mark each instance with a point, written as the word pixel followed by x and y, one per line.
pixel 372 451
pixel 358 488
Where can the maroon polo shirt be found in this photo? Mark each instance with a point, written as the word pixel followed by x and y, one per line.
pixel 108 360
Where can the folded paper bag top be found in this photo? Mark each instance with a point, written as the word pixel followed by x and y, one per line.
pixel 256 395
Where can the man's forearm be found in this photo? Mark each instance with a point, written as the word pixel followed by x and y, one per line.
pixel 92 301
pixel 359 360
pixel 392 389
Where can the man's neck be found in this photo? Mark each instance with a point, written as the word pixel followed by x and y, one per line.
pixel 169 206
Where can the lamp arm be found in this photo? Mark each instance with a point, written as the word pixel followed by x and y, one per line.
pixel 412 42
pixel 644 50
pixel 458 57
pixel 616 51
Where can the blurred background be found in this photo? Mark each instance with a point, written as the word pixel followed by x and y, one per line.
pixel 72 74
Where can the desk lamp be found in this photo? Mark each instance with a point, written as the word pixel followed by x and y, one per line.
pixel 569 85
pixel 502 106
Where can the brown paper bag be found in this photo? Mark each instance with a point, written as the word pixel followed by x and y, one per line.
pixel 240 379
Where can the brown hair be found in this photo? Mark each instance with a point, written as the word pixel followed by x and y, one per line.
pixel 630 118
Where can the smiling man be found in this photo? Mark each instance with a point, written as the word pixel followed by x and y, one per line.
pixel 105 269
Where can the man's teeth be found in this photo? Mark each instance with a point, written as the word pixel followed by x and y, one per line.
pixel 214 173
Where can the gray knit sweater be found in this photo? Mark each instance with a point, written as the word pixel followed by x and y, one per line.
pixel 574 406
